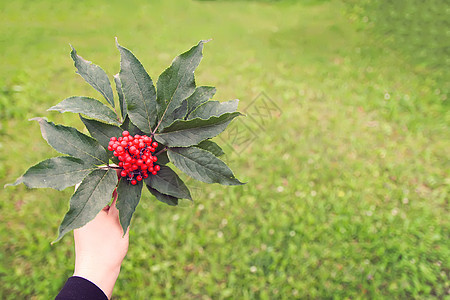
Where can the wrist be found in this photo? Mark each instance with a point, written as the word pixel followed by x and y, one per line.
pixel 105 279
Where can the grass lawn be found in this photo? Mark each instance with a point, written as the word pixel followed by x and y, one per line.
pixel 344 148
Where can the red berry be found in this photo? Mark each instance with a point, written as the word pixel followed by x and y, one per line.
pixel 125 133
pixel 133 182
pixel 154 172
pixel 119 149
pixel 123 173
pixel 157 168
pixel 113 139
pixel 110 148
pixel 145 175
pixel 120 164
pixel 155 158
pixel 136 136
pixel 139 178
pixel 141 145
pixel 154 144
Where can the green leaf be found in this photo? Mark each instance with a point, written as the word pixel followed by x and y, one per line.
pixel 87 106
pixel 202 165
pixel 94 75
pixel 200 96
pixel 167 182
pixel 138 90
pixel 130 127
pixel 57 173
pixel 93 194
pixel 68 140
pixel 214 108
pixel 128 197
pixel 122 103
pixel 102 132
pixel 163 198
pixel 211 147
pixel 183 133
pixel 163 159
pixel 177 83
pixel 180 112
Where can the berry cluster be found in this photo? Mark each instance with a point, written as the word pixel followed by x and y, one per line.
pixel 135 156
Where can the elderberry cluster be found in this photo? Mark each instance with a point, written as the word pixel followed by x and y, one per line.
pixel 135 156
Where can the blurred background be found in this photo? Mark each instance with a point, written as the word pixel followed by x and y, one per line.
pixel 345 147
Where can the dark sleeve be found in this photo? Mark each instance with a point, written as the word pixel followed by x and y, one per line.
pixel 80 288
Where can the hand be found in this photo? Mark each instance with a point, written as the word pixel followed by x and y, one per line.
pixel 100 248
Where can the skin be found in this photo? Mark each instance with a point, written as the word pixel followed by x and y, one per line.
pixel 100 248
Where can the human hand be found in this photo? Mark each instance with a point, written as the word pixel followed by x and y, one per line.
pixel 100 248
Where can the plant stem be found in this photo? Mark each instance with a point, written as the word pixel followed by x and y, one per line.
pixel 160 120
pixel 161 151
pixel 110 167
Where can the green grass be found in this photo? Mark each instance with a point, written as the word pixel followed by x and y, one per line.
pixel 348 183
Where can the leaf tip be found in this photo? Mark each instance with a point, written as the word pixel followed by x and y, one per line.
pixel 60 235
pixel 38 119
pixel 17 182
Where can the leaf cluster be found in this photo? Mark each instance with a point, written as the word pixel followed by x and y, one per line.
pixel 176 113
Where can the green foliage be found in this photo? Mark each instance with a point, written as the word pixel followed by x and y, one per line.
pixel 200 96
pixel 94 75
pixel 138 90
pixel 128 197
pixel 167 182
pixel 211 147
pixel 101 132
pixel 144 113
pixel 57 173
pixel 87 106
pixel 202 165
pixel 184 133
pixel 93 194
pixel 177 83
pixel 68 140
